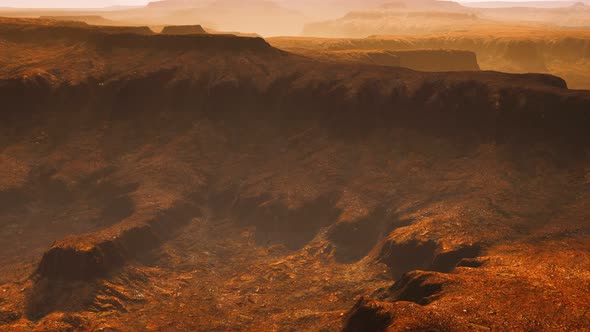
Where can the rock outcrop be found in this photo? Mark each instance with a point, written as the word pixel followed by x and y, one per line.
pixel 183 30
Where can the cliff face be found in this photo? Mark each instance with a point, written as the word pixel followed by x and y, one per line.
pixel 229 179
pixel 184 30
pixel 561 53
pixel 422 60
pixel 438 60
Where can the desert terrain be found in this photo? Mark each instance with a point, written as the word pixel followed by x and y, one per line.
pixel 173 176
pixel 513 50
pixel 426 35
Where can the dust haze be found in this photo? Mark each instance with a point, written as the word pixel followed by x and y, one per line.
pixel 225 165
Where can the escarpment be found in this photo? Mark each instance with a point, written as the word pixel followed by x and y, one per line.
pixel 561 53
pixel 128 37
pixel 438 60
pixel 183 30
pixel 422 60
pixel 354 98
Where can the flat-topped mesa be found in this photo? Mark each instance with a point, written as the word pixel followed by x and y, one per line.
pixel 129 37
pixel 187 42
pixel 184 30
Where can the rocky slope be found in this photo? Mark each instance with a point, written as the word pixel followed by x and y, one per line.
pixel 202 182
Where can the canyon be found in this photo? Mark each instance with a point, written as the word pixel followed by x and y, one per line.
pixel 190 181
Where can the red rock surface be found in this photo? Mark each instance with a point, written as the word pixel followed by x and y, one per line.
pixel 154 182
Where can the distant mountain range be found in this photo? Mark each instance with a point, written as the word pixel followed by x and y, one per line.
pixel 535 4
pixel 335 17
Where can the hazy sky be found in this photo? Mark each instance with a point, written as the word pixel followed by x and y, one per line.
pixel 69 3
pixel 87 3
